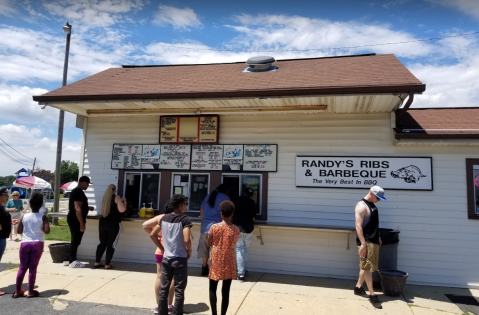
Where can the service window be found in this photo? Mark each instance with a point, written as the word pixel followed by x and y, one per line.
pixel 194 186
pixel 239 182
pixel 142 188
pixel 472 177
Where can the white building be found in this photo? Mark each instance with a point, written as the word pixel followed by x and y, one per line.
pixel 341 109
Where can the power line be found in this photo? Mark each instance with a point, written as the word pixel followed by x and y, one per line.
pixel 315 49
pixel 16 150
pixel 12 159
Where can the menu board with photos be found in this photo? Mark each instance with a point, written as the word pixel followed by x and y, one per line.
pixel 206 157
pixel 126 156
pixel 175 157
pixel 260 157
pixel 232 157
pixel 150 159
pixel 189 129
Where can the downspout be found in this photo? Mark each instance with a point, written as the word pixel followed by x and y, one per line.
pixel 406 107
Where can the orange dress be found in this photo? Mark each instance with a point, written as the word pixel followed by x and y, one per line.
pixel 223 262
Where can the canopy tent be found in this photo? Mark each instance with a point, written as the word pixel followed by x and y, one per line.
pixel 69 186
pixel 32 182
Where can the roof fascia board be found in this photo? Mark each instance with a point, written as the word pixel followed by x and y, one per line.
pixel 417 89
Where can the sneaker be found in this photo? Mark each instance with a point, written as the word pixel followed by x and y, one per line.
pixel 77 264
pixel 66 263
pixel 205 271
pixel 170 309
pixel 155 310
pixel 360 292
pixel 10 239
pixel 240 279
pixel 375 301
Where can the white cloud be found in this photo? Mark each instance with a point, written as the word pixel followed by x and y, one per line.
pixel 18 107
pixel 280 32
pixel 178 18
pixel 37 55
pixel 93 13
pixel 6 7
pixel 32 143
pixel 469 7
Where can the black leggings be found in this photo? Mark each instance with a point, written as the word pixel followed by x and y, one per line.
pixel 109 231
pixel 225 295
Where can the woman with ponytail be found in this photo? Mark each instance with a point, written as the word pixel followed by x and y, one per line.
pixel 112 207
pixel 210 214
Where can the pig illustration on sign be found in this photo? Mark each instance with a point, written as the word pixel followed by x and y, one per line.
pixel 410 174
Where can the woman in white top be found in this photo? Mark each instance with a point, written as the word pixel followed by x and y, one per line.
pixel 33 227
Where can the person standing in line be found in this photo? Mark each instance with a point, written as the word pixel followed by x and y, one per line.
pixel 148 227
pixel 5 223
pixel 15 207
pixel 210 214
pixel 109 227
pixel 222 237
pixel 33 227
pixel 77 212
pixel 175 228
pixel 243 218
pixel 368 241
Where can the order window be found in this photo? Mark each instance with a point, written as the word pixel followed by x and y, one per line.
pixel 194 186
pixel 142 188
pixel 239 182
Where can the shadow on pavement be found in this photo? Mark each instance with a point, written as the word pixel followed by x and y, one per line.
pixel 195 308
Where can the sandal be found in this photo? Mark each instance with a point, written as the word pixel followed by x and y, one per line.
pixel 22 294
pixel 2 293
pixel 111 267
pixel 98 266
pixel 35 294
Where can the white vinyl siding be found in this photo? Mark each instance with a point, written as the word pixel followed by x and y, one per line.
pixel 438 244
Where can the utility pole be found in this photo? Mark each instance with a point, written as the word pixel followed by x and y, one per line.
pixel 33 169
pixel 67 29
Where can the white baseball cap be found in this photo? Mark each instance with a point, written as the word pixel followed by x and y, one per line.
pixel 378 192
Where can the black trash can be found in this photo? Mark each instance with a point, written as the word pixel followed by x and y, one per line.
pixel 388 253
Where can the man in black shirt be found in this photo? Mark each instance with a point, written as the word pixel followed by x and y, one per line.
pixel 243 217
pixel 76 218
pixel 368 241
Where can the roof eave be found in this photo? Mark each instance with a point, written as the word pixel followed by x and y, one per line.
pixel 416 89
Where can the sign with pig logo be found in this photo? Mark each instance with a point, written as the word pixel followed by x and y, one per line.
pixel 402 173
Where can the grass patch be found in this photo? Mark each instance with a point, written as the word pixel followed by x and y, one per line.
pixel 61 232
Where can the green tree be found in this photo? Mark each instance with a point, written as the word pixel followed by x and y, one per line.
pixel 68 172
pixel 7 180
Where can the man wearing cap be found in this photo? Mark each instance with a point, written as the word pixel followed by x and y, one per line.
pixel 244 216
pixel 76 218
pixel 368 241
pixel 5 223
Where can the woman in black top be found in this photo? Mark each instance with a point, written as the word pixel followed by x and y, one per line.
pixel 112 206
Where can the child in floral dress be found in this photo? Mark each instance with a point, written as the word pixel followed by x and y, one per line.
pixel 222 238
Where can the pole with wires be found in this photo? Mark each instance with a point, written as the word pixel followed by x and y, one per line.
pixel 56 201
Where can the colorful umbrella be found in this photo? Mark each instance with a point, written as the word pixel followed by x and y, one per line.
pixel 69 186
pixel 31 182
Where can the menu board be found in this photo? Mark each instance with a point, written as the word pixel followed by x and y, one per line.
pixel 258 157
pixel 168 129
pixel 232 157
pixel 189 129
pixel 150 159
pixel 175 157
pixel 126 156
pixel 206 157
pixel 208 129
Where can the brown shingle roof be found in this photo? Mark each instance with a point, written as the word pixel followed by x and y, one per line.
pixel 439 123
pixel 352 74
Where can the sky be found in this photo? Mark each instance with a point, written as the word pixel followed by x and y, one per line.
pixel 436 39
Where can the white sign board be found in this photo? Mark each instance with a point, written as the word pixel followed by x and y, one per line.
pixel 207 157
pixel 150 159
pixel 175 157
pixel 259 157
pixel 408 173
pixel 126 156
